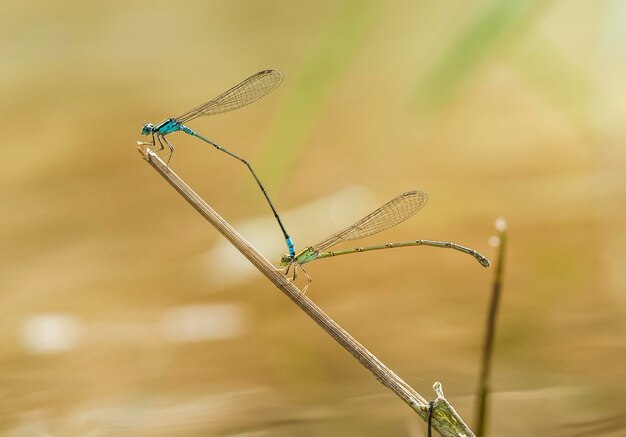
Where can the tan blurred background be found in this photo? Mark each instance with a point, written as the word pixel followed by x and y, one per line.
pixel 123 313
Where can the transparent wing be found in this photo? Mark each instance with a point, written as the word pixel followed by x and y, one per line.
pixel 388 215
pixel 248 91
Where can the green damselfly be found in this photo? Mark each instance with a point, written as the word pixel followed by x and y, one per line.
pixel 390 214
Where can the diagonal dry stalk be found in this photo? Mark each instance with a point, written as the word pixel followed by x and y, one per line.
pixel 444 418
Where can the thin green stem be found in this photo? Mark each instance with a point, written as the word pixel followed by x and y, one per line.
pixel 490 334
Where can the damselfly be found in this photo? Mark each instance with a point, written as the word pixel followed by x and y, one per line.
pixel 390 214
pixel 248 91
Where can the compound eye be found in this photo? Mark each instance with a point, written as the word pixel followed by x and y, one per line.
pixel 147 128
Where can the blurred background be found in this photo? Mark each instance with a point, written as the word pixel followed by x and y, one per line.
pixel 122 312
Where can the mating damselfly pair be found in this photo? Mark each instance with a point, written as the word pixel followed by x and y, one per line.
pixel 388 215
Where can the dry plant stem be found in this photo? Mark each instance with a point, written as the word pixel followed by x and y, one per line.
pixel 369 361
pixel 490 334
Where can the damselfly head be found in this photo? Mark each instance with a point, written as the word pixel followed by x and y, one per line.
pixel 147 129
pixel 286 259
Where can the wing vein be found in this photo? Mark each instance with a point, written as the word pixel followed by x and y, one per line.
pixel 246 92
pixel 390 214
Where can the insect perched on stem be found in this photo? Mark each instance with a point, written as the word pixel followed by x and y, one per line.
pixel 390 214
pixel 248 91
